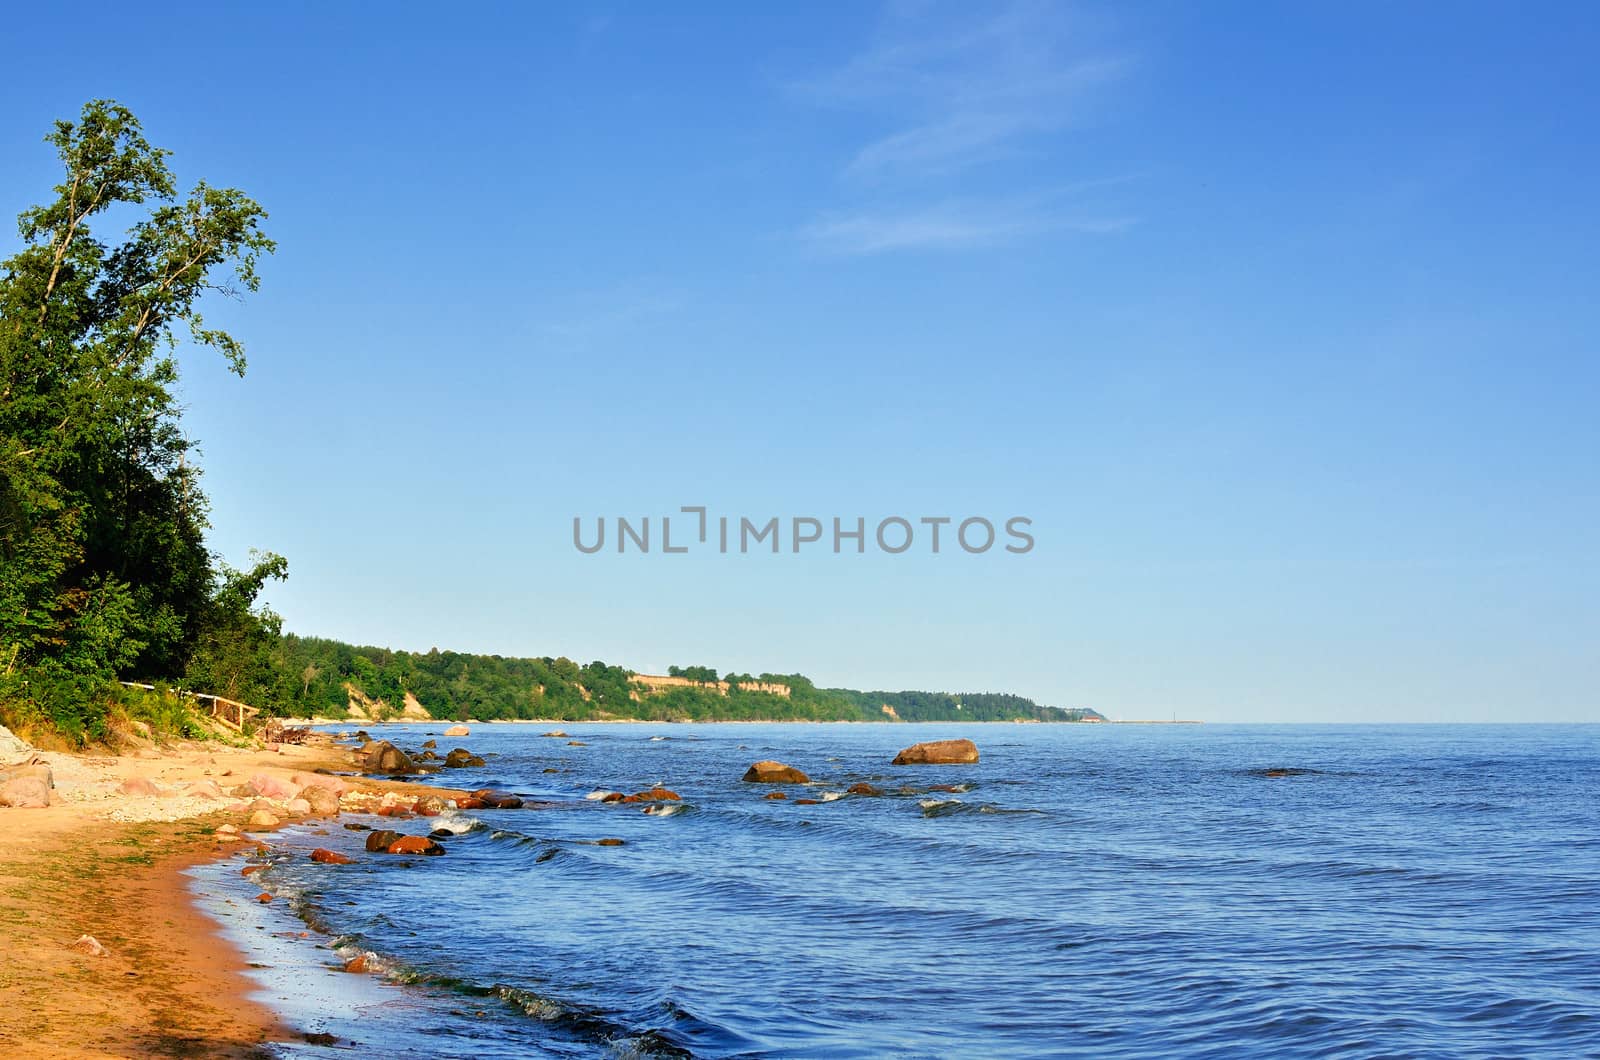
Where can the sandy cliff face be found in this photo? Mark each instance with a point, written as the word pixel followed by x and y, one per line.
pixel 655 683
pixel 363 707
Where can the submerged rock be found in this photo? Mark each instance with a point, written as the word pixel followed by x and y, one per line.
pixel 657 794
pixel 497 800
pixel 461 758
pixel 770 772
pixel 330 857
pixel 938 752
pixel 774 795
pixel 862 788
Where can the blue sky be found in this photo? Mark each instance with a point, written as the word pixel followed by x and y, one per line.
pixel 1277 320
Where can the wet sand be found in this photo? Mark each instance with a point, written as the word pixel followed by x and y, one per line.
pixel 109 865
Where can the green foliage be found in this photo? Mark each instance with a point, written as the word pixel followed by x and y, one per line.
pixel 103 566
pixel 237 653
pixel 967 706
pixel 317 674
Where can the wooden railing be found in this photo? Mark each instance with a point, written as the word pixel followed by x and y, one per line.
pixel 230 712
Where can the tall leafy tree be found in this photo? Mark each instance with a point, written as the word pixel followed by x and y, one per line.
pixel 103 566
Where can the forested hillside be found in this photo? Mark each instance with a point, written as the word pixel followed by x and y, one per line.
pixel 317 676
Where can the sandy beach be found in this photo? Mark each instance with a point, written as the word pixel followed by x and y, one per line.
pixel 107 862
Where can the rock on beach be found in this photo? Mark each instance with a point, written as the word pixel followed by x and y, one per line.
pixel 381 756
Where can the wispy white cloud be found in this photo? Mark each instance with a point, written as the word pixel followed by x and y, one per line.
pixel 962 95
pixel 969 87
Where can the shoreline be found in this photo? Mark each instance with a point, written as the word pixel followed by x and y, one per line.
pixel 113 862
pixel 357 723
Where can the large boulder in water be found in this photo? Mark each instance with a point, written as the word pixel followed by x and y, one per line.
pixel 414 844
pixel 461 758
pixel 770 772
pixel 381 756
pixel 938 753
pixel 380 839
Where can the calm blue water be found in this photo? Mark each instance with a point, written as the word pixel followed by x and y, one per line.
pixel 1100 891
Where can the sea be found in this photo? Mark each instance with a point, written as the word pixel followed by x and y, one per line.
pixel 1084 890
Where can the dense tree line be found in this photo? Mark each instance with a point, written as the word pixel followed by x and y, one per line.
pixel 316 676
pixel 104 570
pixel 967 706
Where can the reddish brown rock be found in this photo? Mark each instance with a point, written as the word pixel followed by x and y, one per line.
pixel 380 839
pixel 608 842
pixel 808 802
pixel 498 800
pixel 415 844
pixel 653 795
pixel 330 857
pixel 862 789
pixel 467 802
pixel 461 758
pixel 263 897
pixel 938 753
pixel 356 964
pixel 774 795
pixel 615 796
pixel 251 869
pixel 770 772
